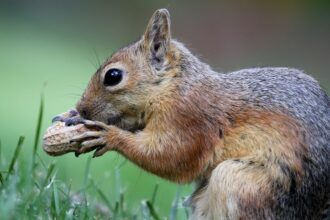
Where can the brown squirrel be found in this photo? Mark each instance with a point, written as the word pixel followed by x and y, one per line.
pixel 256 141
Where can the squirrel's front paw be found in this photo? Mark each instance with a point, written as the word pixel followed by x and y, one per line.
pixel 70 117
pixel 93 139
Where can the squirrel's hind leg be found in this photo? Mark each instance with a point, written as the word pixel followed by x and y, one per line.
pixel 236 190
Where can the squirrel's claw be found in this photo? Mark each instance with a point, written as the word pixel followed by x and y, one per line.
pixel 68 121
pixel 72 113
pixel 96 124
pixel 89 141
pixel 57 118
pixel 92 139
pixel 86 135
pixel 100 151
pixel 73 121
pixel 90 145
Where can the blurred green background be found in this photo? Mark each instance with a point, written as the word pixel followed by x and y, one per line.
pixel 55 47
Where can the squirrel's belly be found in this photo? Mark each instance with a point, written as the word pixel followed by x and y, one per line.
pixel 272 140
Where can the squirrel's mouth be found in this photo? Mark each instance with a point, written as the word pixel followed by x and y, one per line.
pixel 125 123
pixel 113 120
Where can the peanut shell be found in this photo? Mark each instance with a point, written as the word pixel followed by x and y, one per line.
pixel 57 139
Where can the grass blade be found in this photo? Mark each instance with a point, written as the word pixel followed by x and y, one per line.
pixel 152 210
pixel 16 153
pixel 42 162
pixel 87 168
pixel 49 173
pixel 38 128
pixel 0 152
pixel 117 184
pixel 174 208
pixel 104 198
pixel 154 193
pixel 1 177
pixel 121 204
pixel 145 211
pixel 116 210
pixel 56 200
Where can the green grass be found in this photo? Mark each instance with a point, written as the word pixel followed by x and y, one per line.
pixel 30 189
pixel 29 58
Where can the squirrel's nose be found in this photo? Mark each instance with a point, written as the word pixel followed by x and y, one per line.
pixel 84 114
pixel 83 111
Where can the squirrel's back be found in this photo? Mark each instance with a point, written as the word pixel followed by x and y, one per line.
pixel 289 91
pixel 293 93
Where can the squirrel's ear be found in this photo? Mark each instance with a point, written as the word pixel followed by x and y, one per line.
pixel 157 37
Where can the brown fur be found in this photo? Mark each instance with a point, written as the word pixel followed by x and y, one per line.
pixel 265 138
pixel 173 123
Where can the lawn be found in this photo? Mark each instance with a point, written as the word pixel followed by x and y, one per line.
pixel 30 189
pixel 33 184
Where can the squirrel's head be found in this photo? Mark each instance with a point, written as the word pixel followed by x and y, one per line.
pixel 120 90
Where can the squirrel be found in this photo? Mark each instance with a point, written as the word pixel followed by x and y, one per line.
pixel 256 141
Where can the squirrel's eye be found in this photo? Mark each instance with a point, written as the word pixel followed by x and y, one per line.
pixel 112 77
